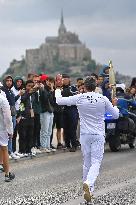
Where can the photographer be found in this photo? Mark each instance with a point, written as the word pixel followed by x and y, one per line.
pixel 26 120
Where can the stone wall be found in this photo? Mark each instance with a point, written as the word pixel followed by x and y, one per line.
pixel 32 59
pixel 73 52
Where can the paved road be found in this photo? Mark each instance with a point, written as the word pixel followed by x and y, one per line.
pixel 56 179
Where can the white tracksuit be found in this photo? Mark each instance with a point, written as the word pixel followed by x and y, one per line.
pixel 6 126
pixel 91 107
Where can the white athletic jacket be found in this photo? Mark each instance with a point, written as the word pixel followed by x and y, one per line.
pixel 91 107
pixel 6 125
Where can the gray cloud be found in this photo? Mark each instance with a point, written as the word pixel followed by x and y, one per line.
pixel 35 10
pixel 106 26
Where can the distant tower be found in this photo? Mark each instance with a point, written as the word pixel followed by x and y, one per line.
pixel 62 29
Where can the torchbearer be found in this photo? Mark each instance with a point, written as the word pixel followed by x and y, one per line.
pixel 91 107
pixel 6 131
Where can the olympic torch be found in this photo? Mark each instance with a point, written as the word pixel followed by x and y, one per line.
pixel 112 81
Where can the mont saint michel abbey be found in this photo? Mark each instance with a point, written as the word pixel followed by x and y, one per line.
pixel 66 47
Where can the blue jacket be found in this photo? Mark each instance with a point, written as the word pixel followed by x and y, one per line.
pixel 123 104
pixel 106 91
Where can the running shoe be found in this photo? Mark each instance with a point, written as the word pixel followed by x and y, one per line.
pixel 9 177
pixel 88 196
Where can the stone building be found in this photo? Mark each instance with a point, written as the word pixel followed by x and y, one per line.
pixel 66 47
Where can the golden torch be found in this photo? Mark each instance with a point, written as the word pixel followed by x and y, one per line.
pixel 112 81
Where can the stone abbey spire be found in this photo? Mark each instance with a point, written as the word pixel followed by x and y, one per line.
pixel 62 18
pixel 62 29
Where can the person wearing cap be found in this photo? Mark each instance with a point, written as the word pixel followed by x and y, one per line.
pixel 43 78
pixel 91 107
pixel 105 71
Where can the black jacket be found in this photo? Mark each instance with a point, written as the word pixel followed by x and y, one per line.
pixel 68 91
pixel 47 100
pixel 27 103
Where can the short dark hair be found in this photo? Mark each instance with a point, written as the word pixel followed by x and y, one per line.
pixel 90 84
pixel 133 83
pixel 64 75
pixel 101 76
pixel 29 75
pixel 51 79
pixel 35 75
pixel 28 81
pixel 95 75
pixel 79 79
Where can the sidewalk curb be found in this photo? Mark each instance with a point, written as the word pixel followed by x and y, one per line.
pixel 40 155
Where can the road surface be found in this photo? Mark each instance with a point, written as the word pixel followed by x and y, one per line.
pixel 53 179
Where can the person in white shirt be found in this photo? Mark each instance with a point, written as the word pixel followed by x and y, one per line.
pixel 1 90
pixel 91 107
pixel 6 131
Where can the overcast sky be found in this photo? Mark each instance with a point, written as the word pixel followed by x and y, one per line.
pixel 108 27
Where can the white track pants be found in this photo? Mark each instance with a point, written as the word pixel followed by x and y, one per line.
pixel 92 147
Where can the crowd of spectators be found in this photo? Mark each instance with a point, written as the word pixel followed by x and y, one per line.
pixel 35 113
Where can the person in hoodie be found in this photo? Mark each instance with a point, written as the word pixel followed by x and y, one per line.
pixel 105 71
pixel 18 90
pixel 7 85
